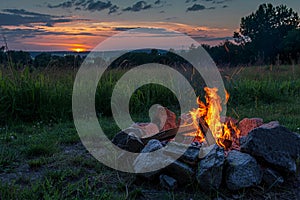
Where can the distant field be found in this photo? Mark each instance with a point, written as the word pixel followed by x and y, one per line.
pixel 41 156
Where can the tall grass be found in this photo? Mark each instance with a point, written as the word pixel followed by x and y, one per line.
pixel 34 96
pixel 47 95
pixel 264 84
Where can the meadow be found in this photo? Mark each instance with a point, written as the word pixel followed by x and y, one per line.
pixel 41 156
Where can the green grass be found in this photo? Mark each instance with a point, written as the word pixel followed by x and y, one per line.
pixel 47 95
pixel 40 146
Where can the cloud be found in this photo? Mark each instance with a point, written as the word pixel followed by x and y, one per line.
pixel 124 28
pixel 188 1
pixel 25 12
pixel 89 5
pixel 157 2
pixel 211 38
pixel 170 18
pixel 113 9
pixel 98 5
pixel 220 1
pixel 160 2
pixel 30 33
pixel 67 4
pixel 196 7
pixel 138 6
pixel 17 17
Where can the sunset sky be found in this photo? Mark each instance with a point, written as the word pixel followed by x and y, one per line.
pixel 82 24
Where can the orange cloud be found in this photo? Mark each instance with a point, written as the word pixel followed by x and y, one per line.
pixel 81 35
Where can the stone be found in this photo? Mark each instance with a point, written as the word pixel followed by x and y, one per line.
pixel 272 178
pixel 242 171
pixel 246 125
pixel 147 161
pixel 183 173
pixel 129 142
pixel 205 150
pixel 151 146
pixel 243 140
pixel 163 118
pixel 185 153
pixel 167 182
pixel 275 144
pixel 210 169
pixel 191 155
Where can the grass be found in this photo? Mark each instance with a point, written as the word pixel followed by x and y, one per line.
pixel 41 156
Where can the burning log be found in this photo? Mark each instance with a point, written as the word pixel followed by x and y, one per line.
pixel 181 132
pixel 209 138
pixel 162 136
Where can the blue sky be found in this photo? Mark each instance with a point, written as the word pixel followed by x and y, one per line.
pixel 81 24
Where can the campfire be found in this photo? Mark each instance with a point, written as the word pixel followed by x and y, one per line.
pixel 239 154
pixel 207 120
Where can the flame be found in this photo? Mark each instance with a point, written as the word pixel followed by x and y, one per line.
pixel 223 132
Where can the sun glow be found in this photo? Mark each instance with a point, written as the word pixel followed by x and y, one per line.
pixel 78 50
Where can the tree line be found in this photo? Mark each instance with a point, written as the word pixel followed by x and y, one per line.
pixel 21 59
pixel 270 35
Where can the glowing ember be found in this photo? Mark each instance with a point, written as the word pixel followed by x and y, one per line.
pixel 223 132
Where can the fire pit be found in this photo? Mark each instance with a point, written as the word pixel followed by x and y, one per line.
pixel 212 151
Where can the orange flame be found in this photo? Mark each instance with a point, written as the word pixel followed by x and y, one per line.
pixel 210 112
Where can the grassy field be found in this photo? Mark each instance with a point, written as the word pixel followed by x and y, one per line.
pixel 41 156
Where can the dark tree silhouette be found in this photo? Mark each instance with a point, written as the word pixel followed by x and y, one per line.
pixel 266 28
pixel 291 46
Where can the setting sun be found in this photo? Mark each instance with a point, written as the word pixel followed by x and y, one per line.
pixel 78 50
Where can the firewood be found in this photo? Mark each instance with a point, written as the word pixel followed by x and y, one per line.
pixel 171 133
pixel 209 138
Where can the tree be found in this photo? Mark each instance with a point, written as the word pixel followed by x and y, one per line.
pixel 42 60
pixel 266 28
pixel 20 59
pixel 291 46
pixel 2 54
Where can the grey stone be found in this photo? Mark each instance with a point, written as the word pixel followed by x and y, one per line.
pixel 243 140
pixel 128 142
pixel 151 146
pixel 168 182
pixel 127 159
pixel 272 178
pixel 191 155
pixel 242 171
pixel 145 164
pixel 183 173
pixel 186 153
pixel 275 144
pixel 210 169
